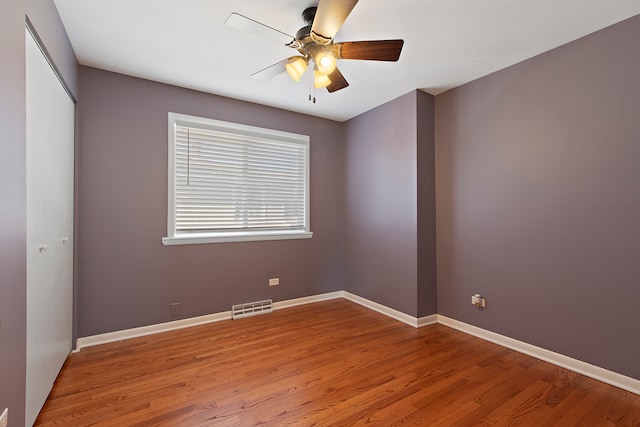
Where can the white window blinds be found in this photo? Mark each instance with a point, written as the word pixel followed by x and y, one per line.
pixel 237 180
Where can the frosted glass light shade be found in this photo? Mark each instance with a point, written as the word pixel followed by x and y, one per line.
pixel 296 67
pixel 325 62
pixel 320 79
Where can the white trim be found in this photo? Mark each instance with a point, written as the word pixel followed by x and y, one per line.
pixel 390 312
pixel 595 372
pixel 427 320
pixel 306 300
pixel 36 38
pixel 171 183
pixel 254 236
pixel 110 337
pixel 592 371
pixel 243 235
pixel 149 330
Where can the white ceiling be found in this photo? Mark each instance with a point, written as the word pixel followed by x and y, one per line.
pixel 447 43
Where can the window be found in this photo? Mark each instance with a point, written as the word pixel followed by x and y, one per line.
pixel 231 182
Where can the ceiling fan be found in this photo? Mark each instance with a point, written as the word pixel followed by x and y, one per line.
pixel 316 46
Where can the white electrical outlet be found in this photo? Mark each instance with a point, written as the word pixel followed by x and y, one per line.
pixel 274 282
pixel 4 418
pixel 478 301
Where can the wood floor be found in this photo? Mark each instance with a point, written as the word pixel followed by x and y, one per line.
pixel 332 363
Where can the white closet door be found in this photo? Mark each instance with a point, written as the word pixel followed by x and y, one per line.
pixel 50 171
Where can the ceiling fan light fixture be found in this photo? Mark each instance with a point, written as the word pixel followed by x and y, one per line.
pixel 296 66
pixel 320 79
pixel 316 47
pixel 325 62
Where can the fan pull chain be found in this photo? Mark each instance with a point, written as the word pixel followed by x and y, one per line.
pixel 312 88
pixel 311 98
pixel 310 83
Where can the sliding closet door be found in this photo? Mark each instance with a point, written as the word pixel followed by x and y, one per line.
pixel 50 171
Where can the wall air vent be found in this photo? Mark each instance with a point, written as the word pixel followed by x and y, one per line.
pixel 251 309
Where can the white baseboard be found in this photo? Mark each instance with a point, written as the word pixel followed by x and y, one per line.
pixel 149 330
pixel 390 312
pixel 186 323
pixel 306 300
pixel 596 372
pixel 427 320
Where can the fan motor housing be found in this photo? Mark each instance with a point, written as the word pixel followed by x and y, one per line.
pixel 303 33
pixel 309 14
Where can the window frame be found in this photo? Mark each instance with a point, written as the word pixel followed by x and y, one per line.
pixel 173 238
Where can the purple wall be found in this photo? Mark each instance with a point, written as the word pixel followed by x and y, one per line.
pixel 536 189
pixel 13 212
pixel 427 297
pixel 538 200
pixel 126 277
pixel 382 214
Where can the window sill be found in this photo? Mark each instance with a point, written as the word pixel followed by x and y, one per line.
pixel 196 239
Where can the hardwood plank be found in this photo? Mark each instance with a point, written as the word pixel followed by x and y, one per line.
pixel 329 363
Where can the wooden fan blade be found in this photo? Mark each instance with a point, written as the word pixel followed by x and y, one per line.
pixel 242 23
pixel 376 50
pixel 330 16
pixel 271 71
pixel 337 81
